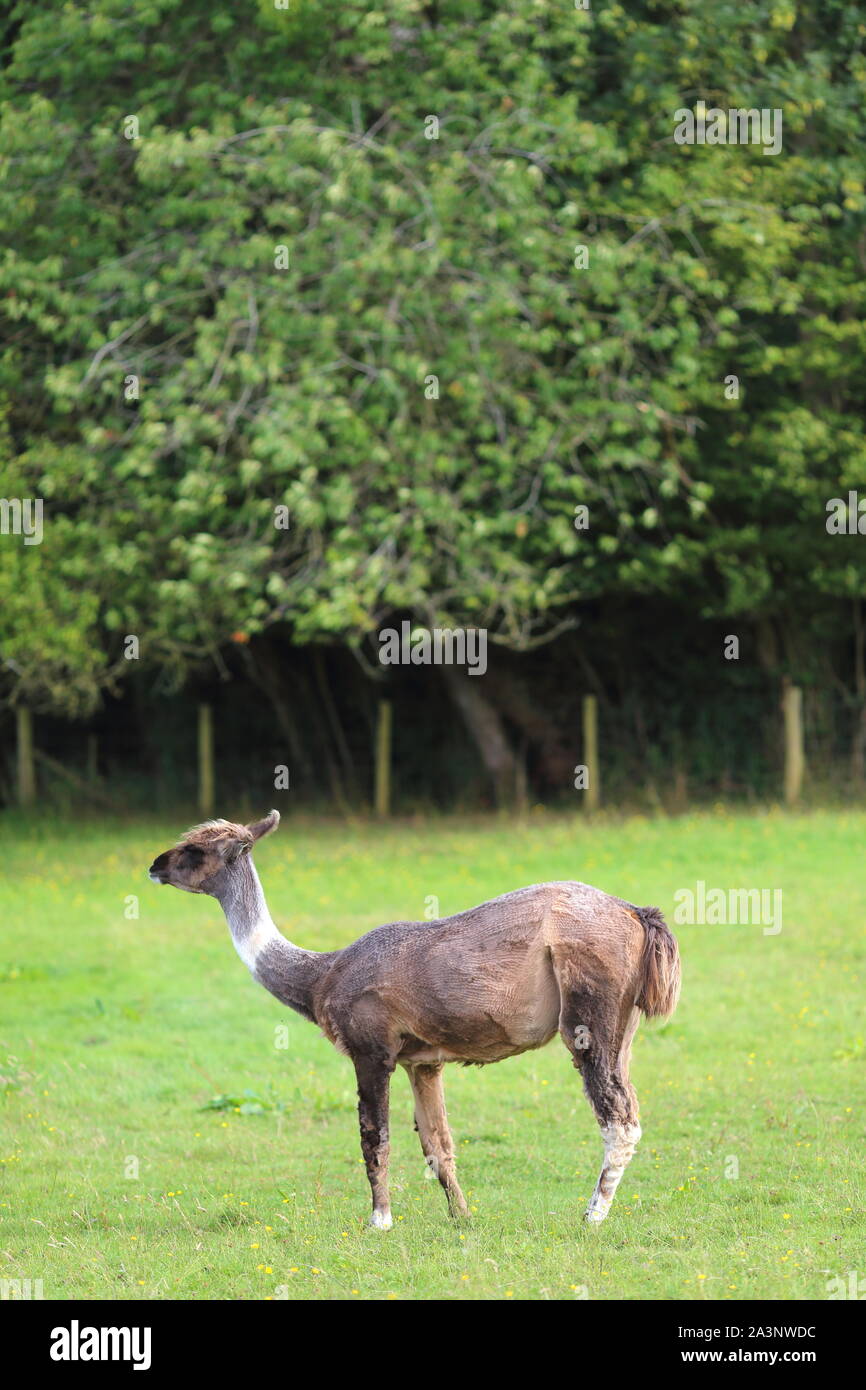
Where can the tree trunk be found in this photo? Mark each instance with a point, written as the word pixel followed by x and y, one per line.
pixel 858 744
pixel 382 793
pixel 205 761
pixel 267 671
pixel 487 731
pixel 590 752
pixel 792 709
pixel 26 766
pixel 512 698
pixel 333 718
pixel 92 758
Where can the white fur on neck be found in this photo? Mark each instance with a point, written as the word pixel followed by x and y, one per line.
pixel 250 922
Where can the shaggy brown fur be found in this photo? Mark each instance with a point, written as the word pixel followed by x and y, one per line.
pixel 477 987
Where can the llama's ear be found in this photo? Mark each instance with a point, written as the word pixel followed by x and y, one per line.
pixel 232 850
pixel 266 826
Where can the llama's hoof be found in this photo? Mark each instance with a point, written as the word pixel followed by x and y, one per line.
pixel 594 1216
pixel 381 1221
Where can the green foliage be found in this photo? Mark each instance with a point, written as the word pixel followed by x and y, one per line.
pixel 155 258
pixel 248 1103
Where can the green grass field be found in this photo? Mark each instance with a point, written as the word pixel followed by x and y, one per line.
pixel 116 1033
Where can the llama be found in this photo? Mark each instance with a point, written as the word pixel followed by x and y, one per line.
pixel 483 985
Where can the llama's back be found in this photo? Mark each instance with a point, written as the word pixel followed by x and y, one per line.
pixel 541 914
pixel 568 900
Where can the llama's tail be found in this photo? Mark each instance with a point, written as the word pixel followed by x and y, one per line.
pixel 659 987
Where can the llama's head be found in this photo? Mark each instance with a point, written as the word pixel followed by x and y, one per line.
pixel 209 853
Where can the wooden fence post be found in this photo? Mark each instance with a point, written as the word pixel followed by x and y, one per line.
pixel 590 752
pixel 26 766
pixel 205 760
pixel 792 710
pixel 382 793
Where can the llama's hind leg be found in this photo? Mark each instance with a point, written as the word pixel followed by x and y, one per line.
pixel 431 1123
pixel 620 1141
pixel 615 1103
pixel 601 1049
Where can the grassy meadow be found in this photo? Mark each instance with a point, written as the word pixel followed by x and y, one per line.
pixel 159 1140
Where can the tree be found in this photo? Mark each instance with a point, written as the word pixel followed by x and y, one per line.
pixel 424 311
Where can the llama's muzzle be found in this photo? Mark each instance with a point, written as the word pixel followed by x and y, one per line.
pixel 154 872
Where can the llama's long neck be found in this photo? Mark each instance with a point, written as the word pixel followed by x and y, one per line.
pixel 289 972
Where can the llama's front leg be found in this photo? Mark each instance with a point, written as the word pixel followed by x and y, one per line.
pixel 431 1122
pixel 373 1084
